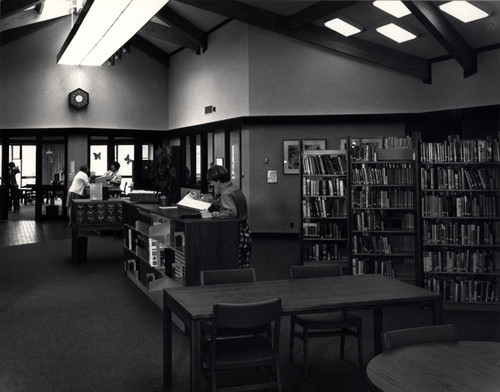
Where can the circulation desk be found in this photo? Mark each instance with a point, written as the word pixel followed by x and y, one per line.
pixel 92 215
pixel 168 247
pixel 349 292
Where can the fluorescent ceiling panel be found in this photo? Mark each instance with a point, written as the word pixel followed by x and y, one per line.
pixel 393 7
pixel 342 27
pixel 463 10
pixel 105 28
pixel 396 33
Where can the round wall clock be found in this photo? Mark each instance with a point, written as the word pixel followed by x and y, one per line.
pixel 78 98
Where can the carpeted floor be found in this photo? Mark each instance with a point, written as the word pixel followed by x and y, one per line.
pixel 86 327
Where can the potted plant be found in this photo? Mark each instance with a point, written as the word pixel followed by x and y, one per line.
pixel 162 174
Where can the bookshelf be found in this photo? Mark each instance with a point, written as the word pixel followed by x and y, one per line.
pixel 168 248
pixel 460 185
pixel 383 208
pixel 324 207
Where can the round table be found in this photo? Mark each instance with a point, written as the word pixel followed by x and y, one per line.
pixel 465 366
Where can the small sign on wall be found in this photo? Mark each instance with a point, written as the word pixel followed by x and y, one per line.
pixel 272 176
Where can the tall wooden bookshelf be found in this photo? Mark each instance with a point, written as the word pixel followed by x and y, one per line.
pixel 460 204
pixel 384 209
pixel 324 207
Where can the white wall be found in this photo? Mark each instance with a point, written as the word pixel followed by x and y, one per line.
pixel 133 94
pixel 290 77
pixel 218 77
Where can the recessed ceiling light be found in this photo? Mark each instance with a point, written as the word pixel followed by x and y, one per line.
pixel 463 10
pixel 396 33
pixel 395 8
pixel 342 27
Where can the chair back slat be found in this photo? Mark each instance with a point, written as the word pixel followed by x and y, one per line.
pixel 246 315
pixel 310 271
pixel 431 333
pixel 235 275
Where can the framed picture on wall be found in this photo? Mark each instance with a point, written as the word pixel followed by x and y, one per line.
pixel 291 157
pixel 314 144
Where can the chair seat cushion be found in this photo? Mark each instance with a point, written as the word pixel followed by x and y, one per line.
pixel 326 320
pixel 231 352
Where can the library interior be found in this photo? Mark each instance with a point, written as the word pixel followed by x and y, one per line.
pixel 239 195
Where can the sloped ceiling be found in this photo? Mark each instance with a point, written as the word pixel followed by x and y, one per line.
pixel 186 24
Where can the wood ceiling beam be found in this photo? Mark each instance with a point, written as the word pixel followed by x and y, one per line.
pixel 12 35
pixel 319 10
pixel 151 50
pixel 320 36
pixel 169 34
pixel 443 31
pixel 39 7
pixel 11 7
pixel 192 33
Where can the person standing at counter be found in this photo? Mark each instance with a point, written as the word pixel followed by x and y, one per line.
pixel 116 178
pixel 77 188
pixel 230 202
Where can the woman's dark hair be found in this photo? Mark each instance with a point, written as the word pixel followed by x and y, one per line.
pixel 218 173
pixel 116 164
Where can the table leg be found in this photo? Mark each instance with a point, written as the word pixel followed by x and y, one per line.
pixel 437 312
pixel 74 245
pixel 195 356
pixel 167 346
pixel 378 327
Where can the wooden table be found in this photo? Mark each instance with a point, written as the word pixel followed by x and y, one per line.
pixel 438 366
pixel 352 292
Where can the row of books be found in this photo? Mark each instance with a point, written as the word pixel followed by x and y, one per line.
pixel 465 290
pixel 382 198
pixel 388 174
pixel 486 233
pixel 470 261
pixel 377 220
pixel 323 230
pixel 459 178
pixel 446 205
pixel 362 266
pixel 324 164
pixel 323 187
pixel 322 252
pixel 456 150
pixel 397 142
pixel 323 207
pixel 383 244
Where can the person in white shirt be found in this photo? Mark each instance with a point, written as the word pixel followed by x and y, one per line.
pixel 77 188
pixel 116 177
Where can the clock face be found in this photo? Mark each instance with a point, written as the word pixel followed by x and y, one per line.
pixel 79 98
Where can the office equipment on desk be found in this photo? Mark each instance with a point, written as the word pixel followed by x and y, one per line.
pixel 193 305
pixel 470 366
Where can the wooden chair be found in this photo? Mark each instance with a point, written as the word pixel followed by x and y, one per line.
pixel 408 336
pixel 243 351
pixel 223 276
pixel 320 325
pixel 233 275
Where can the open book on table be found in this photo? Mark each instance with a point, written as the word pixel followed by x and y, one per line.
pixel 193 204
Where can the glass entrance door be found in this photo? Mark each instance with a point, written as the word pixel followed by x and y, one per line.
pixel 51 193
